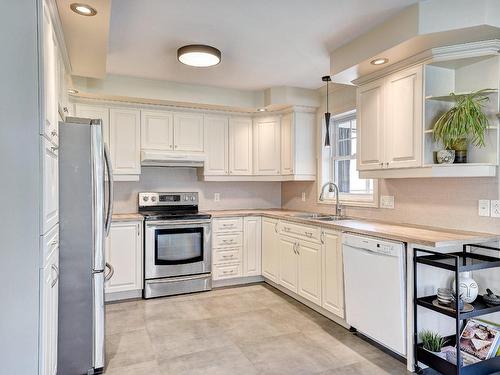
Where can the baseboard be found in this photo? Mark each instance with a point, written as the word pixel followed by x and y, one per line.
pixel 237 281
pixel 308 303
pixel 118 296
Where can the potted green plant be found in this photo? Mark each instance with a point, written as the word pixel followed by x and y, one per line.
pixel 463 124
pixel 433 342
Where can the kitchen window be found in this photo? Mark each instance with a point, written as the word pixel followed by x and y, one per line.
pixel 339 164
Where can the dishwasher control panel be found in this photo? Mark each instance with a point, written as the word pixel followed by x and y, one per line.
pixel 373 244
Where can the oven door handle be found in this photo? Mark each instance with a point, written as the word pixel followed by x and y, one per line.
pixel 164 224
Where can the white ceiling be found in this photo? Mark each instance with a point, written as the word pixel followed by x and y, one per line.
pixel 264 43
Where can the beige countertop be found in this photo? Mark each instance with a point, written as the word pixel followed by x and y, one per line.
pixel 427 236
pixel 127 217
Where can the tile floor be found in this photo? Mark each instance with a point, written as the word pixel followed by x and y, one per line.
pixel 252 329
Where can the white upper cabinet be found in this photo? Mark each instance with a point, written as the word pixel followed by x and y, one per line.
pixel 216 145
pixel 266 146
pixel 240 146
pixel 287 144
pixel 124 143
pixel 50 211
pixel 370 122
pixel 188 132
pixel 50 129
pixel 403 119
pixel 157 131
pixel 270 249
pixel 252 246
pixel 95 112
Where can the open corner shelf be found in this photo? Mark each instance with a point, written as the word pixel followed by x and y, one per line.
pixel 451 98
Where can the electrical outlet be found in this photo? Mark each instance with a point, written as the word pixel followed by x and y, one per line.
pixel 303 196
pixel 387 201
pixel 216 197
pixel 495 208
pixel 484 207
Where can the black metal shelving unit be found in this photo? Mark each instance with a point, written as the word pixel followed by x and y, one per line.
pixel 456 262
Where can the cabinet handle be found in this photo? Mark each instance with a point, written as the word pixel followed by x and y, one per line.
pixel 308 234
pixel 54 243
pixel 298 246
pixel 276 227
pixel 322 238
pixel 53 133
pixel 175 146
pixel 54 148
pixel 387 164
pixel 381 164
pixel 56 270
pixel 227 256
pixel 65 109
pixel 286 229
pixel 109 275
pixel 227 272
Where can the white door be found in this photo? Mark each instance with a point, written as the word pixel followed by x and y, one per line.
pixel 124 253
pixel 333 274
pixel 287 144
pixel 370 122
pixel 252 249
pixel 266 146
pixel 403 125
pixel 309 285
pixel 157 131
pixel 240 146
pixel 188 132
pixel 288 263
pixel 125 141
pixel 216 145
pixel 270 249
pixel 95 112
pixel 50 185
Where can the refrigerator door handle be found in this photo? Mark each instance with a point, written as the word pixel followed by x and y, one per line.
pixel 109 169
pixel 111 272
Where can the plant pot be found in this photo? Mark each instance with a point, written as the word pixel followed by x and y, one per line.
pixel 445 156
pixel 439 354
pixel 460 146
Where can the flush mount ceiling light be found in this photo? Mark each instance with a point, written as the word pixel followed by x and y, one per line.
pixel 72 91
pixel 83 9
pixel 199 55
pixel 380 61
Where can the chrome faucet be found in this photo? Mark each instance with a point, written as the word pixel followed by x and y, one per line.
pixel 332 187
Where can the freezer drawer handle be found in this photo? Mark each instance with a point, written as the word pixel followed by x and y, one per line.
pixel 109 275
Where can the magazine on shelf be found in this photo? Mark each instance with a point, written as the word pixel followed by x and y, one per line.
pixel 479 341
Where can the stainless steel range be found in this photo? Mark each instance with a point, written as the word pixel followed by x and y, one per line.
pixel 177 244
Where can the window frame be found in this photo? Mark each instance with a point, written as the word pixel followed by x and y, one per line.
pixel 328 173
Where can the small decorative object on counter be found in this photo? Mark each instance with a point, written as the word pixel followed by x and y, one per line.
pixel 444 296
pixel 468 287
pixel 445 156
pixel 433 342
pixel 491 298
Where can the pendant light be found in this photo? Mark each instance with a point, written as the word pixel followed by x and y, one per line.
pixel 327 113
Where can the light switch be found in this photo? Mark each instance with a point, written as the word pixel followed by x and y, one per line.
pixel 216 197
pixel 495 208
pixel 387 201
pixel 484 207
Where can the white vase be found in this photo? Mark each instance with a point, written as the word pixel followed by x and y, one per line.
pixel 467 287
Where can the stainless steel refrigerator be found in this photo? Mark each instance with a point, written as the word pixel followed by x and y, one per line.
pixel 85 209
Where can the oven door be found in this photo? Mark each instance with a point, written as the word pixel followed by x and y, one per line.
pixel 177 248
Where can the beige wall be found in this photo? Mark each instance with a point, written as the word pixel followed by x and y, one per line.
pixel 232 195
pixel 441 202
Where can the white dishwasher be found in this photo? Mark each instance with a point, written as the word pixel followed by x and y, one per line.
pixel 375 289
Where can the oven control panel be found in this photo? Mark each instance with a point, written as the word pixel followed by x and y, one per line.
pixel 167 199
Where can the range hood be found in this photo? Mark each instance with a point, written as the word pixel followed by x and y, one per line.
pixel 169 159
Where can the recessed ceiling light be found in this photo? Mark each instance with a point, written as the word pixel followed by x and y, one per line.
pixel 379 61
pixel 72 91
pixel 199 55
pixel 262 109
pixel 83 9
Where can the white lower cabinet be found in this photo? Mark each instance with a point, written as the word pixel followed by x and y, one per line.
pixel 289 275
pixel 49 282
pixel 332 273
pixel 309 264
pixel 124 253
pixel 50 211
pixel 270 249
pixel 252 246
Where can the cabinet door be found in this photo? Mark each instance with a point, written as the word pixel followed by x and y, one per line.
pixel 124 253
pixel 95 112
pixel 125 141
pixel 240 146
pixel 309 285
pixel 288 263
pixel 157 131
pixel 50 186
pixel 252 246
pixel 370 122
pixel 270 249
pixel 49 77
pixel 188 132
pixel 216 145
pixel 403 125
pixel 333 279
pixel 266 146
pixel 287 144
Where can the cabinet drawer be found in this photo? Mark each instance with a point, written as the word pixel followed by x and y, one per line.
pixel 231 255
pixel 227 239
pixel 50 243
pixel 233 224
pixel 301 231
pixel 228 271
